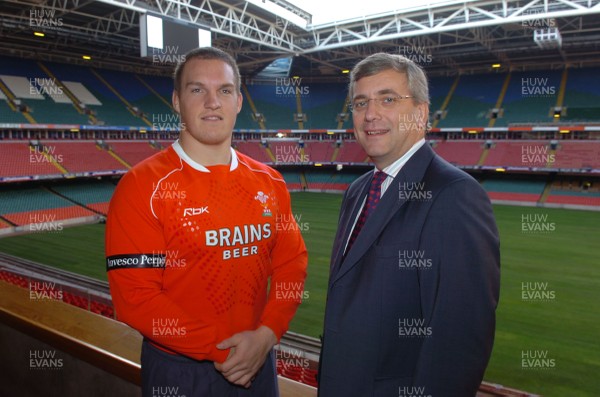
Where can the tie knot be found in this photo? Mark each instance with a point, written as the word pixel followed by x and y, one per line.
pixel 378 179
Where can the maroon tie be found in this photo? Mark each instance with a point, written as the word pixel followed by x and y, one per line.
pixel 369 207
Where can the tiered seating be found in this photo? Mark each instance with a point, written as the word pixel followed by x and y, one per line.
pixel 286 151
pixel 297 373
pixel 472 99
pixel 44 109
pixel 568 191
pixel 292 180
pixel 137 94
pixel 132 151
pixel 92 195
pixel 7 115
pixel 278 108
pixel 84 156
pixel 577 155
pixel 19 160
pixel 439 87
pixel 14 279
pixel 514 190
pixel 319 151
pixel 529 97
pixel 253 149
pixel 466 153
pixel 37 206
pixel 112 111
pixel 582 96
pixel 328 180
pixel 519 154
pixel 351 152
pixel 322 104
pixel 70 295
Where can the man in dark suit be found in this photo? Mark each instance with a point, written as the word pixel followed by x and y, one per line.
pixel 415 269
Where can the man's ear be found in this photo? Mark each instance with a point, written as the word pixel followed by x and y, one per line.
pixel 423 111
pixel 175 101
pixel 239 100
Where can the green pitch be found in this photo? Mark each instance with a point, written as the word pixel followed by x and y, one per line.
pixel 548 317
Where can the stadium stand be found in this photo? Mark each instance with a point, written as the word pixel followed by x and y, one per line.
pixel 136 95
pixel 277 104
pixel 574 192
pixel 321 152
pixel 39 208
pixel 92 195
pixel 20 159
pixel 519 154
pixel 112 111
pixel 351 152
pixel 322 103
pixel 324 180
pixel 286 151
pixel 530 97
pixel 132 152
pixel 514 190
pixel 83 156
pixel 460 152
pixel 293 180
pixel 439 88
pixel 38 93
pixel 582 96
pixel 471 101
pixel 254 149
pixel 577 155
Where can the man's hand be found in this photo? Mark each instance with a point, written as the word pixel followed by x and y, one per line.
pixel 248 353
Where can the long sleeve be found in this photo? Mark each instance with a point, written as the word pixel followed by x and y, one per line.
pixel 460 295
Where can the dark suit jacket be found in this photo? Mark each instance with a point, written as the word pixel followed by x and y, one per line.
pixel 411 308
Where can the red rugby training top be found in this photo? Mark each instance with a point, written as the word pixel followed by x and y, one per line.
pixel 196 254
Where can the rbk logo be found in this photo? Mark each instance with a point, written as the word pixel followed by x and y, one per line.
pixel 195 211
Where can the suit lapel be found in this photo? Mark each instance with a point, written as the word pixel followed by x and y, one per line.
pixel 391 202
pixel 351 210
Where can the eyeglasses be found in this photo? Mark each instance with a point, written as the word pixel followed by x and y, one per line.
pixel 385 101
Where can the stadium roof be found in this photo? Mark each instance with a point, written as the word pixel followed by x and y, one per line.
pixel 446 38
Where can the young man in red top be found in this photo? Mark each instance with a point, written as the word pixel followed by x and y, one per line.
pixel 198 244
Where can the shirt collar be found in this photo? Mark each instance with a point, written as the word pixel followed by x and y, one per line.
pixel 197 166
pixel 393 169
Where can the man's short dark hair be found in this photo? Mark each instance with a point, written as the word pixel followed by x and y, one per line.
pixel 207 53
